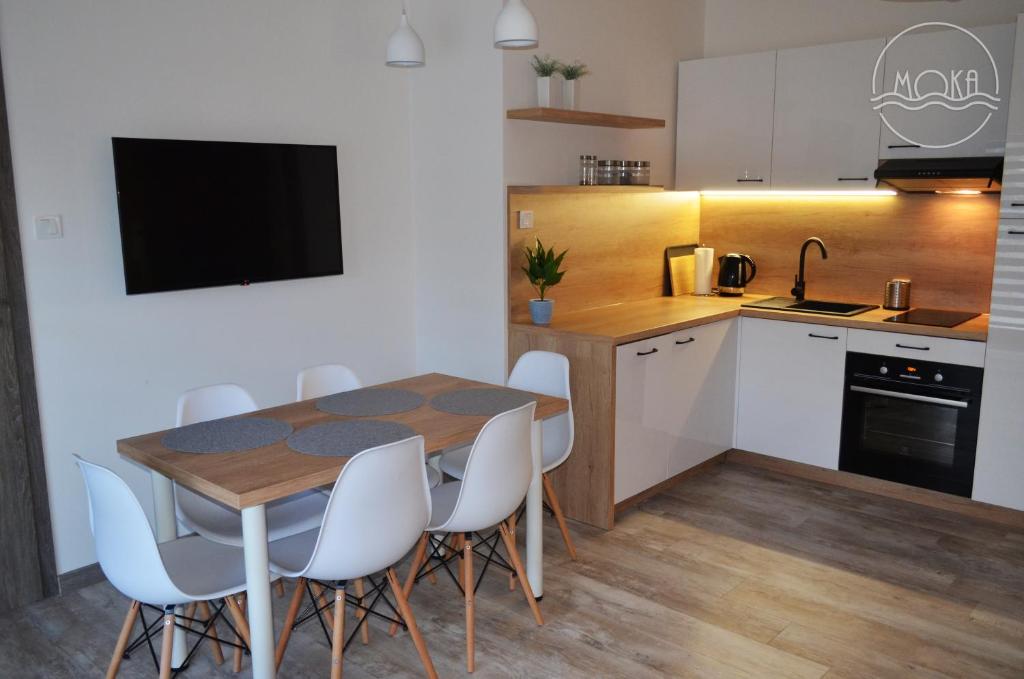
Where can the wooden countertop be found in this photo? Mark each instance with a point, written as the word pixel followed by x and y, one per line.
pixel 633 321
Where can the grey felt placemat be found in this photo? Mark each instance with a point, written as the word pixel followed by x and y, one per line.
pixel 226 436
pixel 487 401
pixel 370 402
pixel 344 439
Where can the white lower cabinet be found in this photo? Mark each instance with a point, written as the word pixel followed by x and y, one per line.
pixel 674 404
pixel 700 379
pixel 790 398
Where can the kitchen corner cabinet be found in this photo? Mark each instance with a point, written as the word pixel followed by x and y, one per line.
pixel 674 404
pixel 724 123
pixel 826 131
pixel 944 52
pixel 790 397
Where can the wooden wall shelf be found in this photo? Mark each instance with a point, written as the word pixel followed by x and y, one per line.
pixel 558 115
pixel 574 188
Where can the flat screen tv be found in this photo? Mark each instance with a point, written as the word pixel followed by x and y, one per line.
pixel 197 214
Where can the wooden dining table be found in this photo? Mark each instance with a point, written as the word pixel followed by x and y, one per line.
pixel 247 480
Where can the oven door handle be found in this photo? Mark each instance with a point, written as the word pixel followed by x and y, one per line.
pixel 910 397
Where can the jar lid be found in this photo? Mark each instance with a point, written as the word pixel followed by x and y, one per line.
pixel 588 157
pixel 605 163
pixel 644 163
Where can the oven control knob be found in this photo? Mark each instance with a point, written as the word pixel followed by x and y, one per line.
pixel 938 377
pixel 883 370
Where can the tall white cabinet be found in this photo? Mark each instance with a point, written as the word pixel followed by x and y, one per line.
pixel 999 467
pixel 826 131
pixel 790 398
pixel 724 123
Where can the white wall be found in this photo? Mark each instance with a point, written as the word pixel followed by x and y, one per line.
pixel 633 49
pixel 458 195
pixel 740 26
pixel 109 365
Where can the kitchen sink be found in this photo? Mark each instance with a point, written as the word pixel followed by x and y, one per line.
pixel 812 306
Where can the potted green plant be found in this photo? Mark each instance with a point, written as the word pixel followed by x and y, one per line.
pixel 571 74
pixel 542 268
pixel 544 67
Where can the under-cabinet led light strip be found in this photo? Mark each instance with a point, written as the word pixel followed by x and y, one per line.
pixel 767 193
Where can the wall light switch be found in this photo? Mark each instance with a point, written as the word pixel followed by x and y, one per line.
pixel 526 219
pixel 49 227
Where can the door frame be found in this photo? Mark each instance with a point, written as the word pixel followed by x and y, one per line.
pixel 27 558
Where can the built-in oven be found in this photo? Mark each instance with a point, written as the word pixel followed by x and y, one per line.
pixel 914 422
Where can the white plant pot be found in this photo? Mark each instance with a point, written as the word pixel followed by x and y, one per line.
pixel 545 91
pixel 569 91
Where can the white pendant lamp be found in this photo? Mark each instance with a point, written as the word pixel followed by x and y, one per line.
pixel 515 28
pixel 405 49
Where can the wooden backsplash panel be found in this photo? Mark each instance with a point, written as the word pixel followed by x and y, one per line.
pixel 616 244
pixel 944 244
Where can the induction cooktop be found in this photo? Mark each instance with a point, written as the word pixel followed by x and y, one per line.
pixel 940 318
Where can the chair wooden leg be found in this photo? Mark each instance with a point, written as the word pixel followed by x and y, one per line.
pixel 517 563
pixel 410 621
pixel 167 648
pixel 418 557
pixel 549 490
pixel 122 640
pixel 512 528
pixel 338 634
pixel 321 600
pixel 289 621
pixel 218 653
pixel 241 626
pixel 364 628
pixel 467 570
pixel 279 587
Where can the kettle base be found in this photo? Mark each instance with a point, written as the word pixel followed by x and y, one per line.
pixel 725 291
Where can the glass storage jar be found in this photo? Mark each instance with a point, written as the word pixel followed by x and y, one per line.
pixel 588 170
pixel 609 172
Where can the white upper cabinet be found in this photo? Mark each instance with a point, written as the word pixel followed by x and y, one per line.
pixel 826 131
pixel 934 71
pixel 724 132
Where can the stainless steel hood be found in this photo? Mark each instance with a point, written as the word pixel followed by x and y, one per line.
pixel 942 175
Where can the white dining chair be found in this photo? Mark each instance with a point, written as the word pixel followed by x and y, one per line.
pixel 189 571
pixel 495 480
pixel 324 380
pixel 214 521
pixel 540 372
pixel 377 511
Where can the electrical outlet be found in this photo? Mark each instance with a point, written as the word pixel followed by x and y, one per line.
pixel 526 219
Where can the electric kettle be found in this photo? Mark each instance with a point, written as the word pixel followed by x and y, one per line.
pixel 732 274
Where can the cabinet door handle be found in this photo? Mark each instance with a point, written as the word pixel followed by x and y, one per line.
pixel 904 146
pixel 851 179
pixel 828 337
pixel 647 353
pixel 1016 204
pixel 686 341
pixel 1013 232
pixel 907 346
pixel 759 179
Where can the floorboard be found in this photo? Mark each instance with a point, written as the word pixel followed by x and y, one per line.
pixel 738 573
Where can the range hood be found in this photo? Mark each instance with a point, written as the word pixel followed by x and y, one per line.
pixel 942 175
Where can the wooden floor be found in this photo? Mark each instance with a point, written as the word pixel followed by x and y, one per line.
pixel 737 573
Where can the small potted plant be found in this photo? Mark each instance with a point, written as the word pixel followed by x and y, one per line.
pixel 544 67
pixel 571 74
pixel 542 270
